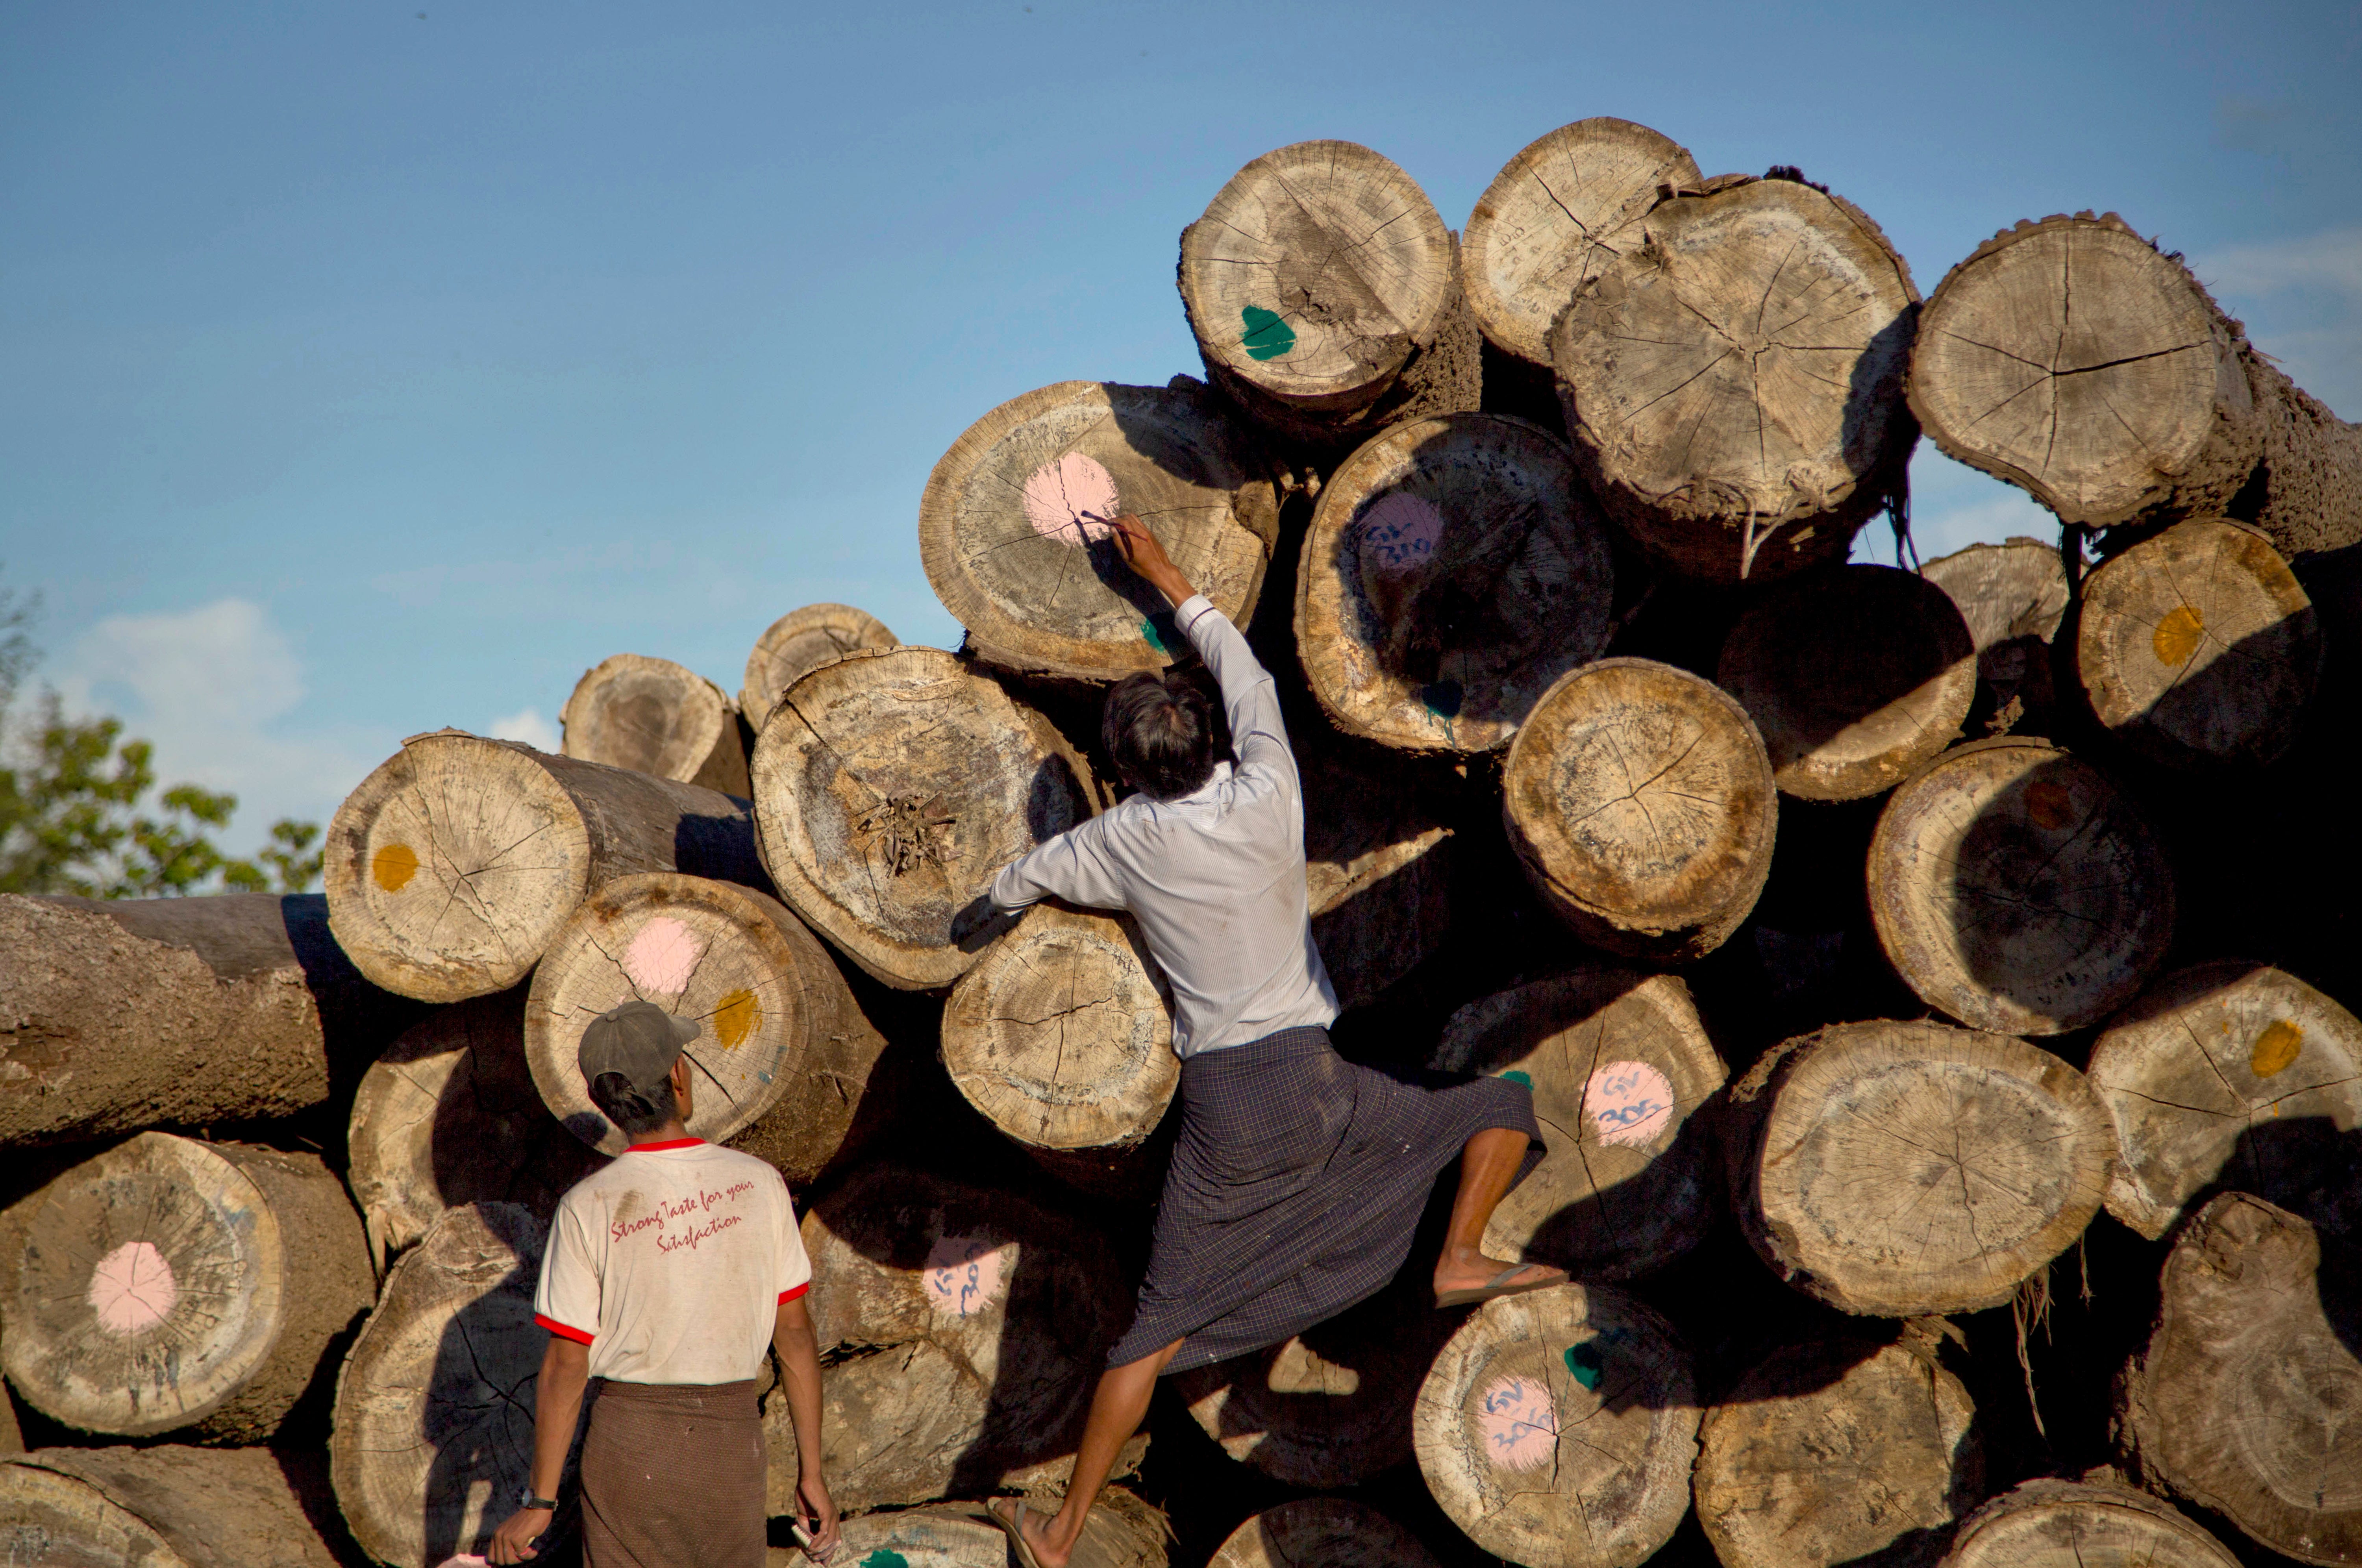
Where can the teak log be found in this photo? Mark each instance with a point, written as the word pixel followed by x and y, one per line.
pixel 1322 1532
pixel 1733 384
pixel 798 643
pixel 2242 1402
pixel 1325 295
pixel 783 1056
pixel 1839 1450
pixel 1641 802
pixel 1453 570
pixel 169 1286
pixel 452 866
pixel 1559 1427
pixel 2227 1073
pixel 121 1015
pixel 1908 1169
pixel 1619 1066
pixel 893 786
pixel 1013 525
pixel 164 1507
pixel 1853 677
pixel 1121 1532
pixel 652 715
pixel 2017 888
pixel 2199 650
pixel 2069 1524
pixel 2012 596
pixel 434 1416
pixel 1377 870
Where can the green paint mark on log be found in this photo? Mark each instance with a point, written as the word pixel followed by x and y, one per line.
pixel 1584 1360
pixel 885 1557
pixel 1159 633
pixel 1519 1075
pixel 1442 699
pixel 1267 337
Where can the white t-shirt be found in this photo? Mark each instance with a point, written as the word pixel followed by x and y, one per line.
pixel 671 1263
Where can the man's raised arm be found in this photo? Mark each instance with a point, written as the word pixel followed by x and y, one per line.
pixel 1250 696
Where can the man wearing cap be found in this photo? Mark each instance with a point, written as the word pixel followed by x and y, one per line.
pixel 668 1274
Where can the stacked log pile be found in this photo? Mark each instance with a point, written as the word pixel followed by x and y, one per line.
pixel 1862 933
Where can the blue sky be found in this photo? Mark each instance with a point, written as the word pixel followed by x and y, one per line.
pixel 363 371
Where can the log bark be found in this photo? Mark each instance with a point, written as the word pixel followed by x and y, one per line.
pixel 1558 1429
pixel 2227 1073
pixel 1322 1532
pixel 894 785
pixel 120 1015
pixel 1325 294
pixel 2012 596
pixel 962 1328
pixel 1061 1036
pixel 2067 1524
pixel 1377 870
pixel 433 1419
pixel 1013 525
pixel 169 1286
pixel 800 641
pixel 1555 218
pixel 2016 888
pixel 783 1055
pixel 1641 802
pixel 2073 359
pixel 449 1117
pixel 452 866
pixel 1331 1407
pixel 1734 382
pixel 654 716
pixel 1854 677
pixel 164 1507
pixel 2242 1402
pixel 1453 570
pixel 2199 650
pixel 1619 1066
pixel 1839 1450
pixel 1909 1169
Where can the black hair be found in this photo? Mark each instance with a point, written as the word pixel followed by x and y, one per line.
pixel 637 1113
pixel 1160 732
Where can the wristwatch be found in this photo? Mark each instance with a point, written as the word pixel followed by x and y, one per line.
pixel 525 1499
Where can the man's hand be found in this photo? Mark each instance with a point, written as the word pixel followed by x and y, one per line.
pixel 1144 555
pixel 512 1542
pixel 820 1516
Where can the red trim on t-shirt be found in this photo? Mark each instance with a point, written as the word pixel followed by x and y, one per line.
pixel 667 1143
pixel 562 1331
pixel 788 1295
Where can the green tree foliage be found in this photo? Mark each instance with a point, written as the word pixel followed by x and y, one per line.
pixel 72 818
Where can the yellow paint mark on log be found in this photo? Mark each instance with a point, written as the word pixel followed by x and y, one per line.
pixel 735 1017
pixel 394 867
pixel 2051 804
pixel 2176 638
pixel 2276 1047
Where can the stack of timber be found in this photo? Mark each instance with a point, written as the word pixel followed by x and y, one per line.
pixel 1956 1159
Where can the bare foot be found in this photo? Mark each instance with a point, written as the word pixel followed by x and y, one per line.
pixel 1474 1271
pixel 1035 1526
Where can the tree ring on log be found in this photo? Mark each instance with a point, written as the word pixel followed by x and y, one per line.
pixel 66 1522
pixel 1555 217
pixel 1013 525
pixel 2199 648
pixel 1322 1532
pixel 2013 887
pixel 1641 802
pixel 652 715
pixel 2230 1072
pixel 2069 1524
pixel 1453 570
pixel 2013 597
pixel 166 1506
pixel 1905 1169
pixel 1854 677
pixel 1619 1065
pixel 1559 1427
pixel 800 641
pixel 894 784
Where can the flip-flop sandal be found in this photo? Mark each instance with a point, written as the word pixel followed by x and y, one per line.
pixel 1012 1524
pixel 1495 1288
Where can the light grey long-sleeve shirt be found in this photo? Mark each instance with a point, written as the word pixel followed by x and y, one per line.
pixel 1215 878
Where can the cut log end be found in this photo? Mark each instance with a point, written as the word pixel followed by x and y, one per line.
pixel 2012 596
pixel 1322 1532
pixel 800 641
pixel 164 1507
pixel 2069 1524
pixel 652 715
pixel 1377 870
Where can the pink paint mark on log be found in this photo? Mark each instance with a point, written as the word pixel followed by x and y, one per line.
pixel 965 1274
pixel 1629 1102
pixel 465 1560
pixel 131 1289
pixel 1070 499
pixel 1399 532
pixel 662 957
pixel 1518 1422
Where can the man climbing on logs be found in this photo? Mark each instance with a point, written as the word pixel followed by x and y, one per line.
pixel 1299 1177
pixel 670 1272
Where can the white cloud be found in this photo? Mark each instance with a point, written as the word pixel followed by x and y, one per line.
pixel 526 725
pixel 212 690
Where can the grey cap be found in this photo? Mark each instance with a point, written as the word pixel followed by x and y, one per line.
pixel 639 1040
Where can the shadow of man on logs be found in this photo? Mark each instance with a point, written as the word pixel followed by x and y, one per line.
pixel 476 1420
